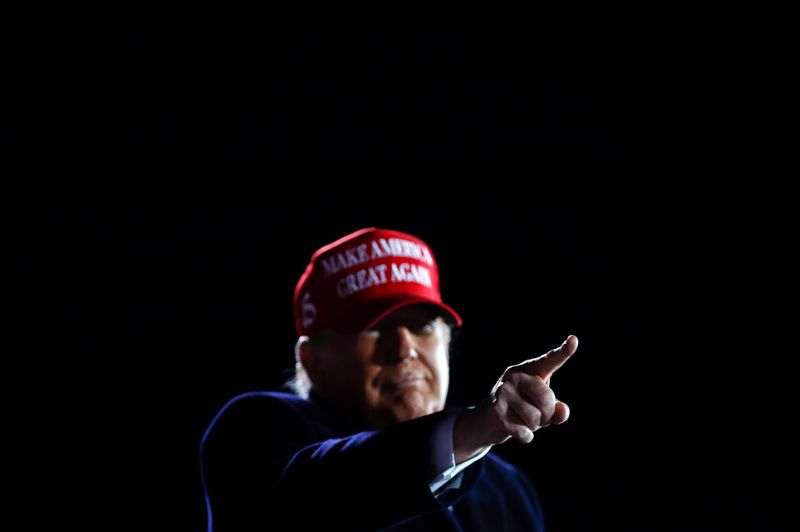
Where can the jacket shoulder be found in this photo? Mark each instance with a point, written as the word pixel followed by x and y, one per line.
pixel 265 399
pixel 505 476
pixel 500 466
pixel 255 415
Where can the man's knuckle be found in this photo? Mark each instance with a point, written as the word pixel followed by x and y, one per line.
pixel 547 399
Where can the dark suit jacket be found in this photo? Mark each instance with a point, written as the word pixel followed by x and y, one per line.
pixel 274 461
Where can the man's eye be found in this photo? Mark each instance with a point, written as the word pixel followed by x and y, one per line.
pixel 424 328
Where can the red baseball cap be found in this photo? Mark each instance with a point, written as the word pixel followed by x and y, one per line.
pixel 353 283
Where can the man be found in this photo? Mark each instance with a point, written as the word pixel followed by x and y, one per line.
pixel 365 443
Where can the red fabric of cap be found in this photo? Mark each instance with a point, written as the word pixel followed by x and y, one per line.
pixel 352 283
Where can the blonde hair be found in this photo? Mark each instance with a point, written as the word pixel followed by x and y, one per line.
pixel 300 382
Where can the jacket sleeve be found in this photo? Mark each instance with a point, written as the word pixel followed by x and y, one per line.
pixel 265 464
pixel 370 480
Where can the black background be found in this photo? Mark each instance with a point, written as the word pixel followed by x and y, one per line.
pixel 568 181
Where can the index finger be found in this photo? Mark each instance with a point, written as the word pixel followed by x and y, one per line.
pixel 547 364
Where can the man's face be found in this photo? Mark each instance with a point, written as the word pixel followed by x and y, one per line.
pixel 394 372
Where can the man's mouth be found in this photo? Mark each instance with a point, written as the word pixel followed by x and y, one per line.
pixel 405 379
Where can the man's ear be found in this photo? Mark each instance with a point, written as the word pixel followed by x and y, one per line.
pixel 307 355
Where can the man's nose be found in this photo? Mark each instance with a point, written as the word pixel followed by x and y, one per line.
pixel 401 344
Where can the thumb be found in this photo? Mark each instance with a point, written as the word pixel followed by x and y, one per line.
pixel 547 364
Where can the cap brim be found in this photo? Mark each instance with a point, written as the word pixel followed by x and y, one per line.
pixel 369 314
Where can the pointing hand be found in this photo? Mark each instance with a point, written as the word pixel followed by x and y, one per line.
pixel 520 403
pixel 522 398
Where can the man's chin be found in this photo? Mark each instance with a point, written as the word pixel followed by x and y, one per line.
pixel 411 405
